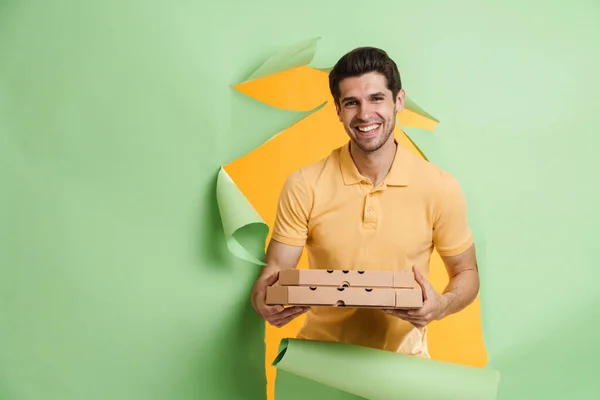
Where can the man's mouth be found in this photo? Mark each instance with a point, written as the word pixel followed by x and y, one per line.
pixel 368 130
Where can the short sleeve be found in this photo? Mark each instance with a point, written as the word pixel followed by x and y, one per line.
pixel 452 234
pixel 293 210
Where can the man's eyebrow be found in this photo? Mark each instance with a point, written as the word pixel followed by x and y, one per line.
pixel 345 99
pixel 352 98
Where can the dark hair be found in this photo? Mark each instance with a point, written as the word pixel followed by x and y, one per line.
pixel 361 61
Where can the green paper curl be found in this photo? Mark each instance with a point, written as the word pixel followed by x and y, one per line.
pixel 377 374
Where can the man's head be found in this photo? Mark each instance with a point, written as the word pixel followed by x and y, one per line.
pixel 367 90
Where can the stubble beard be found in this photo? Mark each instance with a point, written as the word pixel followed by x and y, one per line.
pixel 371 146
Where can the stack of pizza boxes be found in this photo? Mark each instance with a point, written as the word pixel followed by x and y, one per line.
pixel 346 288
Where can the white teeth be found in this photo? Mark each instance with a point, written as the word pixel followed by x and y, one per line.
pixel 367 128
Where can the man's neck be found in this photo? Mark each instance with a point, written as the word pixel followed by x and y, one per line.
pixel 374 165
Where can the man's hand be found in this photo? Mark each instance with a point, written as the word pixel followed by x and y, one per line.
pixel 277 316
pixel 432 309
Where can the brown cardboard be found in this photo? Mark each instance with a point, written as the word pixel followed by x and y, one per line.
pixel 347 278
pixel 409 298
pixel 344 296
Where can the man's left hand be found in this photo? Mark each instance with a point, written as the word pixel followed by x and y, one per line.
pixel 432 309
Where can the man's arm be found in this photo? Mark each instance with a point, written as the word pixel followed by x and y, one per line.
pixel 290 232
pixel 453 239
pixel 463 285
pixel 279 257
pixel 462 289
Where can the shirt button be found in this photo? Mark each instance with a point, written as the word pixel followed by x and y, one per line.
pixel 370 209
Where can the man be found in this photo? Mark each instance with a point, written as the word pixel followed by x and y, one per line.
pixel 371 205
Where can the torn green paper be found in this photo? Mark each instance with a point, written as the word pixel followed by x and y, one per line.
pixel 254 123
pixel 410 104
pixel 325 69
pixel 305 115
pixel 291 57
pixel 290 386
pixel 363 372
pixel 237 213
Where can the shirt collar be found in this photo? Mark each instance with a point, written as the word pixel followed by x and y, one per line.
pixel 398 175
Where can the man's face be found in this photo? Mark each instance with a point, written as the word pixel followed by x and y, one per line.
pixel 367 110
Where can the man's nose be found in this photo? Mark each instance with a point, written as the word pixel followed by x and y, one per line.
pixel 365 112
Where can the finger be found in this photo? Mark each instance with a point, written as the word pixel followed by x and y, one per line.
pixel 405 315
pixel 419 324
pixel 396 312
pixel 284 321
pixel 271 310
pixel 261 295
pixel 285 312
pixel 259 302
pixel 419 312
pixel 416 322
pixel 402 315
pixel 281 321
pixel 413 321
pixel 424 317
pixel 407 312
pixel 425 287
pixel 269 280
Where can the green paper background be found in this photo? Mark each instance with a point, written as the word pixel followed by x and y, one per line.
pixel 116 116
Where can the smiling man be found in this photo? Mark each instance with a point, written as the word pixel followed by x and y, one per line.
pixel 371 205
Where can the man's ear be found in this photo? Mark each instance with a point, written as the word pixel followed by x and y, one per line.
pixel 338 111
pixel 400 100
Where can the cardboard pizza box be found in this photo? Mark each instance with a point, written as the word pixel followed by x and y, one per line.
pixel 356 297
pixel 347 278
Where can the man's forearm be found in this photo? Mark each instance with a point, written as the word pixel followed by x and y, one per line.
pixel 460 292
pixel 270 268
pixel 280 256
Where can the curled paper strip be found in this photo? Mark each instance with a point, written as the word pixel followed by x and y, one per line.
pixel 237 214
pixel 353 372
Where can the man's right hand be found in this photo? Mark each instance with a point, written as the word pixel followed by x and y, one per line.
pixel 277 315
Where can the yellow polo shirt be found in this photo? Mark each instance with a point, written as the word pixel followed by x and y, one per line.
pixel 345 222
